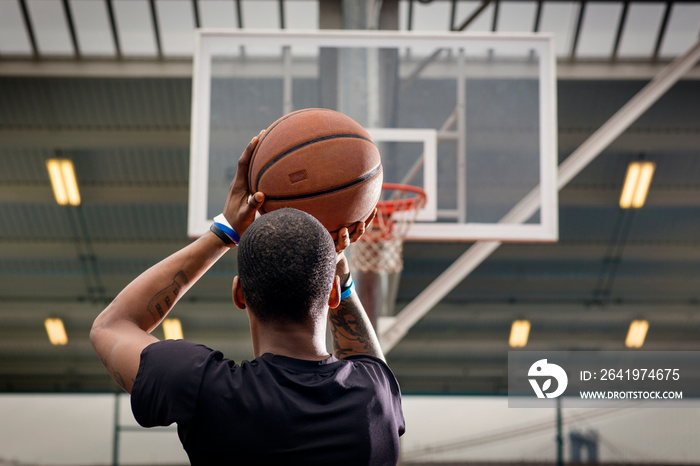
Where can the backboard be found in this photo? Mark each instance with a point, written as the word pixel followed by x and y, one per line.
pixel 469 118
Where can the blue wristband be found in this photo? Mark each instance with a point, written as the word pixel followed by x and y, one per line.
pixel 346 291
pixel 223 225
pixel 222 236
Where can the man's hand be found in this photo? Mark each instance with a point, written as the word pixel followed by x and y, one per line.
pixel 351 234
pixel 240 207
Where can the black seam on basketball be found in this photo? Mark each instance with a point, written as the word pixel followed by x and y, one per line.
pixel 267 131
pixel 304 144
pixel 370 174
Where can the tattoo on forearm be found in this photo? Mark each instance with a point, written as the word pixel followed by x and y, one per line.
pixel 165 298
pixel 350 335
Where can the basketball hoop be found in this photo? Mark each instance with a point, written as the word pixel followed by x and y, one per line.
pixel 380 249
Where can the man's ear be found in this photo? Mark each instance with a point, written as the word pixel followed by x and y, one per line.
pixel 237 293
pixel 334 300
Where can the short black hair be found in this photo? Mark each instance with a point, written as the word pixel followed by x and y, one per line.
pixel 286 266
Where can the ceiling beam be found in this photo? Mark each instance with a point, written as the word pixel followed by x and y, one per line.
pixel 182 68
pixel 633 140
pixel 661 143
pixel 603 196
pixel 588 196
pixel 109 194
pixel 67 139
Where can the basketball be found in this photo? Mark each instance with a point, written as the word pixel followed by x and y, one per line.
pixel 319 161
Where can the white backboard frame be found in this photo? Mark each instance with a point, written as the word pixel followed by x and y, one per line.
pixel 211 42
pixel 429 139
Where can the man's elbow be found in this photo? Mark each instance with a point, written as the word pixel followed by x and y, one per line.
pixel 95 333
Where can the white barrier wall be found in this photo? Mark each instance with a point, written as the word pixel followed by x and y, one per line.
pixel 79 430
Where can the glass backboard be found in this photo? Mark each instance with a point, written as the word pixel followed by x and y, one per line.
pixel 470 118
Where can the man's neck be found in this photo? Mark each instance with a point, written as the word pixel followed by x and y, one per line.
pixel 300 341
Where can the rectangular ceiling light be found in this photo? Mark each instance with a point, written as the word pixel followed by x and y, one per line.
pixel 63 181
pixel 637 333
pixel 519 332
pixel 172 328
pixel 56 331
pixel 636 187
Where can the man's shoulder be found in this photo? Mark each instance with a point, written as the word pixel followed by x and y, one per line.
pixel 175 360
pixel 367 360
pixel 177 345
pixel 375 369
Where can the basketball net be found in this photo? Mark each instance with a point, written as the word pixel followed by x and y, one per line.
pixel 380 249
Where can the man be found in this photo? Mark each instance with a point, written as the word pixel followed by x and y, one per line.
pixel 294 403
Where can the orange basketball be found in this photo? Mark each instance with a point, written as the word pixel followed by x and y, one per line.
pixel 319 161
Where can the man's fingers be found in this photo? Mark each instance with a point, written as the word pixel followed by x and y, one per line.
pixel 370 218
pixel 254 203
pixel 358 230
pixel 256 200
pixel 241 178
pixel 343 240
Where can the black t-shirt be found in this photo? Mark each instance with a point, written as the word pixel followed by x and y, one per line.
pixel 271 410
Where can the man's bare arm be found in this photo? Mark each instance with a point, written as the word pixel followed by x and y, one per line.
pixel 351 329
pixel 122 330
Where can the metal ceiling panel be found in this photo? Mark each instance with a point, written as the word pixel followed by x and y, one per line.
pixel 607 171
pixel 683 29
pixel 587 223
pixel 176 24
pixel 218 14
pixel 13 36
pixel 435 16
pixel 593 102
pixel 600 23
pixel 676 112
pixel 667 224
pixel 516 16
pixel 40 267
pixel 641 29
pixel 676 170
pixel 560 19
pixel 35 222
pixel 92 28
pixel 260 15
pixel 128 267
pixel 131 166
pixel 146 222
pixel 483 22
pixel 50 27
pixel 24 166
pixel 135 27
pixel 301 14
pixel 91 104
pixel 125 175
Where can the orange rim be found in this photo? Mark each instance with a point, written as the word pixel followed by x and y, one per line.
pixel 388 207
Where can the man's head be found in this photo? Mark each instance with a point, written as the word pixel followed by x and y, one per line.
pixel 286 267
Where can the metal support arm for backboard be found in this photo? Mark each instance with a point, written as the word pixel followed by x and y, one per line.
pixel 568 169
